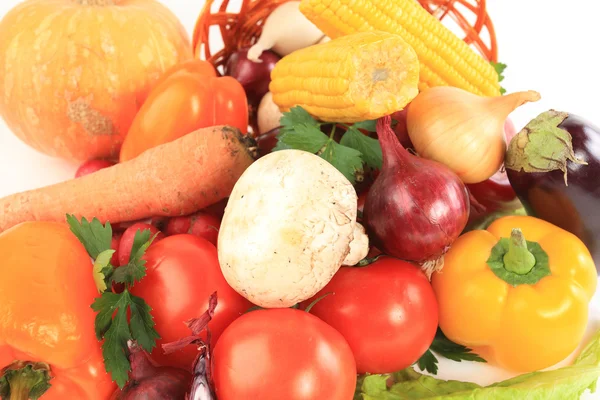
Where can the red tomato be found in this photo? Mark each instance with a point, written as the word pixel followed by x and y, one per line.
pixel 182 272
pixel 387 311
pixel 129 235
pixel 282 354
pixel 92 166
pixel 201 224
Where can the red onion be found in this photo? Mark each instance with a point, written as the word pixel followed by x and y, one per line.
pixel 148 381
pixel 416 208
pixel 254 77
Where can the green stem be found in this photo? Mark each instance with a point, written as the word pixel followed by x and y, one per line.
pixel 332 131
pixel 518 258
pixel 543 146
pixel 517 261
pixel 23 380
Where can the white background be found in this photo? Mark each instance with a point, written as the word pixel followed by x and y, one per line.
pixel 549 45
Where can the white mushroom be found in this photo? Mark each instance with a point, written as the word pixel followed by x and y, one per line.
pixel 287 228
pixel 359 247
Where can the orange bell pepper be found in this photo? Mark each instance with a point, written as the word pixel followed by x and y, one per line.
pixel 517 293
pixel 188 97
pixel 46 323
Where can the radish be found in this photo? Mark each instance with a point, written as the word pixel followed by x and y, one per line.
pixel 92 166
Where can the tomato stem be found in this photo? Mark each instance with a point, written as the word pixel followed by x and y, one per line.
pixel 24 380
pixel 518 258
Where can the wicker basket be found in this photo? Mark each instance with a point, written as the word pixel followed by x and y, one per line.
pixel 242 27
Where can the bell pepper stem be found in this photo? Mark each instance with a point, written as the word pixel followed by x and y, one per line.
pixel 23 380
pixel 518 258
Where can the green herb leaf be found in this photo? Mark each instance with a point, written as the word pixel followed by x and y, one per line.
pixel 135 269
pixel 303 137
pixel 369 148
pixel 114 348
pixel 105 306
pixel 142 324
pixel 369 125
pixel 428 362
pixel 499 67
pixel 296 116
pixel 348 161
pixel 116 331
pixel 94 236
pixel 453 351
pixel 101 269
pixel 111 324
pixel 446 348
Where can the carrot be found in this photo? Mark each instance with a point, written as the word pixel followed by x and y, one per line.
pixel 176 178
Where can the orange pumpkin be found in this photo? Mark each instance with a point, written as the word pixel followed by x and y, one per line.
pixel 74 73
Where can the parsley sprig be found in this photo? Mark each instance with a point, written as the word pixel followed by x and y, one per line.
pixel 446 348
pixel 111 323
pixel 300 131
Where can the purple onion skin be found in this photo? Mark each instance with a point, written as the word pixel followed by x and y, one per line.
pixel 416 208
pixel 576 207
pixel 149 381
pixel 254 77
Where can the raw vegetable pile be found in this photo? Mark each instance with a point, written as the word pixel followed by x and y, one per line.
pixel 322 209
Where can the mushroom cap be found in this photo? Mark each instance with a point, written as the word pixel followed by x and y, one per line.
pixel 287 228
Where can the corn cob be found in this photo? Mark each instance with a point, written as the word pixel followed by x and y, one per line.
pixel 362 76
pixel 445 59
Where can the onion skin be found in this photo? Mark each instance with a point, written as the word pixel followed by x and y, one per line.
pixel 148 381
pixel 573 207
pixel 254 77
pixel 416 208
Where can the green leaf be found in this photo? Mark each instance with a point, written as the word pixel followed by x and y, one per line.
pixel 105 306
pixel 114 348
pixel 94 236
pixel 302 137
pixel 368 125
pixel 100 269
pixel 567 383
pixel 296 116
pixel 499 67
pixel 348 161
pixel 428 362
pixel 135 269
pixel 142 324
pixel 367 146
pixel 445 347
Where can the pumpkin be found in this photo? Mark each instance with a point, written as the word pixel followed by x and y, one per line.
pixel 74 73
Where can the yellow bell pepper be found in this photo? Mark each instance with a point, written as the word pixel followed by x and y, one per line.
pixel 516 293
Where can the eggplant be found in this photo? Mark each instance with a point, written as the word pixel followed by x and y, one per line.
pixel 553 165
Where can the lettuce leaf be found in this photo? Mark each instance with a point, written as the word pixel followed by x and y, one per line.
pixel 567 383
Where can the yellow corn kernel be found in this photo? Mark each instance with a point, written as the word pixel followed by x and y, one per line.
pixel 445 59
pixel 353 78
